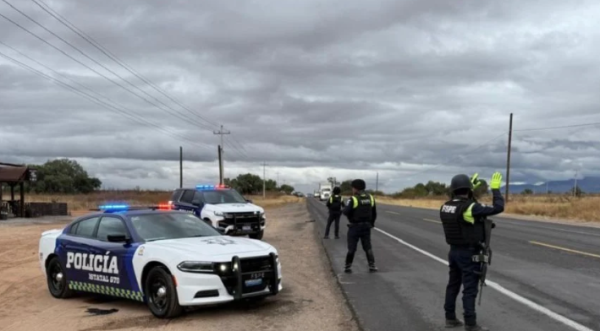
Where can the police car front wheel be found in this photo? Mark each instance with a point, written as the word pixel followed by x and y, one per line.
pixel 161 294
pixel 57 280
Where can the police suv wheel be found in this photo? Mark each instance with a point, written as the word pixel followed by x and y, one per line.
pixel 258 235
pixel 161 294
pixel 57 280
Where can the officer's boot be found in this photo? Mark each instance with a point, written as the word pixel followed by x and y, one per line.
pixel 371 259
pixel 475 327
pixel 349 259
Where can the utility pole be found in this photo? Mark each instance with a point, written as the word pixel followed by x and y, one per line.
pixel 508 156
pixel 180 166
pixel 575 186
pixel 377 182
pixel 221 151
pixel 264 179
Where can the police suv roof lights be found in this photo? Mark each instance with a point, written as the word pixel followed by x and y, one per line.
pixel 211 187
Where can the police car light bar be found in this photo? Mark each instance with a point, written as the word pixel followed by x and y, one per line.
pixel 124 207
pixel 114 207
pixel 210 187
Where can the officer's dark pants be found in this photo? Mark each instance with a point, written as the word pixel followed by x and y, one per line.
pixel 333 217
pixel 462 272
pixel 362 232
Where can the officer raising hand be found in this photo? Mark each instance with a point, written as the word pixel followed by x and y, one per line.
pixel 362 213
pixel 463 221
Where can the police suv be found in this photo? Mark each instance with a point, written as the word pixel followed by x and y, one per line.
pixel 222 207
pixel 166 258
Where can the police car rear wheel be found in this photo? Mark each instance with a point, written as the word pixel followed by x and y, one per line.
pixel 162 294
pixel 57 281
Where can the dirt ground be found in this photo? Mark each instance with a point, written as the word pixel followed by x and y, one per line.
pixel 311 299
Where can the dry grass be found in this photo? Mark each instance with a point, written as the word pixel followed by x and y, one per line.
pixel 82 203
pixel 548 206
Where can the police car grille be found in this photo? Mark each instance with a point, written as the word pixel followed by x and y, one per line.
pixel 256 264
pixel 242 218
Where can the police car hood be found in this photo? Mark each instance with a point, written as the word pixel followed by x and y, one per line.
pixel 236 207
pixel 213 246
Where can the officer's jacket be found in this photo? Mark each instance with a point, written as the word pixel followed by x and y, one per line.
pixel 463 218
pixel 361 208
pixel 335 203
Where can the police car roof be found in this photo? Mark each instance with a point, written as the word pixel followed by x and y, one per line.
pixel 134 211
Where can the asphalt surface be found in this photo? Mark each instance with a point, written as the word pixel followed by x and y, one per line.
pixel 543 276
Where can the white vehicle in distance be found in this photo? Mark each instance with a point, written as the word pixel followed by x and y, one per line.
pixel 325 191
pixel 165 258
pixel 222 207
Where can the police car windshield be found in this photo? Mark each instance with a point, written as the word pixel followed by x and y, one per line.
pixel 215 197
pixel 162 226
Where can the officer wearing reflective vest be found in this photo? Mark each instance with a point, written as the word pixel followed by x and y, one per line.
pixel 463 221
pixel 362 213
pixel 335 205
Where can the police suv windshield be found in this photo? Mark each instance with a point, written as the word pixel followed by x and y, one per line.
pixel 162 226
pixel 215 197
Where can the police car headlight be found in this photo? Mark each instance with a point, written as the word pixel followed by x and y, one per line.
pixel 262 215
pixel 219 213
pixel 196 266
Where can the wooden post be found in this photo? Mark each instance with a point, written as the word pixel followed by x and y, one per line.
pixel 22 193
pixel 220 151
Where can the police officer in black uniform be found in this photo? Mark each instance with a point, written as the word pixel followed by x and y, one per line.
pixel 463 221
pixel 362 213
pixel 335 205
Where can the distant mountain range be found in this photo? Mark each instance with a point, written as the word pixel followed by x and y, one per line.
pixel 587 185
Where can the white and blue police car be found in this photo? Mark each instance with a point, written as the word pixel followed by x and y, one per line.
pixel 166 258
pixel 222 207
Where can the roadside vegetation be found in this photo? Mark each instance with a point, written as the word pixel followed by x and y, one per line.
pixel 554 206
pixel 82 203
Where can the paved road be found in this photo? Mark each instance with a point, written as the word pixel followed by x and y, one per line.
pixel 544 276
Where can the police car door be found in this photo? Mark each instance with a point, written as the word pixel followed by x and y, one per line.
pixel 110 269
pixel 73 248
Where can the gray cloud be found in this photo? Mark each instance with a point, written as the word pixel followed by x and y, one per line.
pixel 411 89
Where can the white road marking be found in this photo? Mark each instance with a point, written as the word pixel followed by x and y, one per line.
pixel 570 323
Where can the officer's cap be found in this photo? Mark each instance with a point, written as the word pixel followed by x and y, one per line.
pixel 359 184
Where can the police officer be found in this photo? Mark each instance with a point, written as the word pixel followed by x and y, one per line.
pixel 463 221
pixel 334 204
pixel 362 213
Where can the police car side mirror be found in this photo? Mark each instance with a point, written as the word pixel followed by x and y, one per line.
pixel 198 203
pixel 118 238
pixel 248 201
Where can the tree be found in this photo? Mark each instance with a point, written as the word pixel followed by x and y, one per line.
pixel 286 188
pixel 346 187
pixel 63 176
pixel 250 184
pixel 245 183
pixel 527 191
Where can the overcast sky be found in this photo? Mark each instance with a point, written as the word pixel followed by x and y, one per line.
pixel 414 90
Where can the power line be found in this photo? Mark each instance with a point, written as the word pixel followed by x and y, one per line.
pixel 458 156
pixel 94 99
pixel 187 120
pixel 238 144
pixel 113 57
pixel 558 127
pixel 236 149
